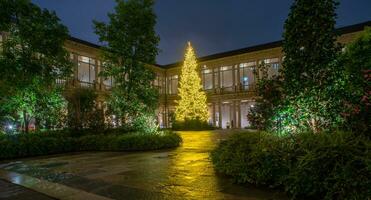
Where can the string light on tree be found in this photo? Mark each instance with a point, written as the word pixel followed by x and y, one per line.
pixel 192 104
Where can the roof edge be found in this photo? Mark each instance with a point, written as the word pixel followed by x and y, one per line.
pixel 341 30
pixel 259 47
pixel 90 44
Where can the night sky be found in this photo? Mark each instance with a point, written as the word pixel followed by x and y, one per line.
pixel 212 26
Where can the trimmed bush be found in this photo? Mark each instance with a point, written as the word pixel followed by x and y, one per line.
pixel 36 144
pixel 251 158
pixel 323 166
pixel 331 166
pixel 148 142
pixel 191 125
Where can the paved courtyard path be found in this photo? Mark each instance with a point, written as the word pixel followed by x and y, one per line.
pixel 15 192
pixel 182 173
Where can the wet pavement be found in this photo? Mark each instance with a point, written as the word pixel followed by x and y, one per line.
pixel 15 192
pixel 182 173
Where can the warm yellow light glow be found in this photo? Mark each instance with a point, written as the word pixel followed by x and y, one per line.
pixel 192 104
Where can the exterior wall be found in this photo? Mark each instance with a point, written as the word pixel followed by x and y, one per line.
pixel 230 95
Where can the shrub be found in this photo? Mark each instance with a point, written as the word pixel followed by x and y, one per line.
pixel 323 166
pixel 47 143
pixel 145 123
pixel 331 166
pixel 191 125
pixel 251 158
pixel 23 145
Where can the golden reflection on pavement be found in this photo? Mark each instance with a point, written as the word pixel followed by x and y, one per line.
pixel 182 173
pixel 190 171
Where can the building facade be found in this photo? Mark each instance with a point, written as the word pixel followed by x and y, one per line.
pixel 228 78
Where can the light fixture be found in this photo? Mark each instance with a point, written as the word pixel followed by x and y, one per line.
pixel 10 127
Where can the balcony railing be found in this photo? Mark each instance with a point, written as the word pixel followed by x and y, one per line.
pixel 74 83
pixel 83 84
pixel 238 89
pixel 229 89
pixel 247 88
pixel 61 82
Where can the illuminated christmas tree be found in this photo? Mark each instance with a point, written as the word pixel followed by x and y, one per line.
pixel 192 104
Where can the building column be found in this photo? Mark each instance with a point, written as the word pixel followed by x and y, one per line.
pixel 233 113
pixel 213 81
pixel 219 82
pixel 239 114
pixel 238 78
pixel 220 113
pixel 214 115
pixel 96 77
pixel 234 79
pixel 75 60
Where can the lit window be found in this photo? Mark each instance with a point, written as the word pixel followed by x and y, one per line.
pixel 216 77
pixel 207 79
pixel 225 68
pixel 270 60
pixel 226 75
pixel 274 66
pixel 247 78
pixel 86 69
pixel 248 64
pixel 159 83
pixel 84 59
pixel 173 84
pixel 206 71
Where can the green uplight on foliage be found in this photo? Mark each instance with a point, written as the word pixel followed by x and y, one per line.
pixel 146 123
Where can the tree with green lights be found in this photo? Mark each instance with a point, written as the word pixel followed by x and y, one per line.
pixel 192 104
pixel 313 83
pixel 357 62
pixel 269 89
pixel 47 107
pixel 31 59
pixel 131 45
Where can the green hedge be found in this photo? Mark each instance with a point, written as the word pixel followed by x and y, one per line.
pixel 191 125
pixel 323 166
pixel 36 144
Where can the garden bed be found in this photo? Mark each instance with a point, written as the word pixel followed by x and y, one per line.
pixel 306 166
pixel 48 143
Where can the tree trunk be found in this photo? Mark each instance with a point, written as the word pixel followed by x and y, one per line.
pixel 37 124
pixel 314 126
pixel 26 122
